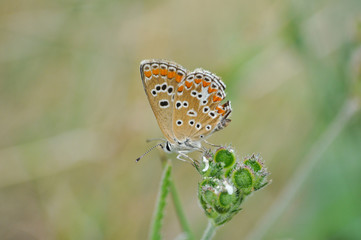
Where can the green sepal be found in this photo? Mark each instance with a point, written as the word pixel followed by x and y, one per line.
pixel 260 181
pixel 254 164
pixel 220 209
pixel 207 208
pixel 210 197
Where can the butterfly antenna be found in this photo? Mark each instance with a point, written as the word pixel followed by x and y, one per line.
pixel 137 160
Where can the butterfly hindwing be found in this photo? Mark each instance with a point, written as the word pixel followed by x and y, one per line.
pixel 198 111
pixel 160 79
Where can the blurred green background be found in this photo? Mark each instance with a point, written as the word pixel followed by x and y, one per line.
pixel 74 116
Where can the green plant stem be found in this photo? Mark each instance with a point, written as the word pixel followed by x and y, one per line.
pixel 161 203
pixel 177 204
pixel 179 211
pixel 210 231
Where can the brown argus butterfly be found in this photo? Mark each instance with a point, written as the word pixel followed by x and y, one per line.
pixel 187 105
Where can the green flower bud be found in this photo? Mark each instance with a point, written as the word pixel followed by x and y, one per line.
pixel 225 156
pixel 244 180
pixel 225 184
pixel 260 172
pixel 254 163
pixel 225 199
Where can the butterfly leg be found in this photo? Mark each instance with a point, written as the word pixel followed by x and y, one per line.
pixel 179 157
pixel 193 162
pixel 182 154
pixel 213 145
pixel 185 158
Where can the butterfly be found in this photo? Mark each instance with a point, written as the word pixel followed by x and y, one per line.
pixel 187 105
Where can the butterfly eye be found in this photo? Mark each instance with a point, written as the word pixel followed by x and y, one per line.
pixel 179 122
pixel 167 146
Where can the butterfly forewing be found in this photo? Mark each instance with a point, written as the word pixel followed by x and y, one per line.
pixel 198 111
pixel 160 80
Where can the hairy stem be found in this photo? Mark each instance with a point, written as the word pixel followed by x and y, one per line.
pixel 161 203
pixel 210 231
pixel 179 211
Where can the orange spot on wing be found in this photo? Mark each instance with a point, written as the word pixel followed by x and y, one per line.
pixel 188 84
pixel 205 84
pixel 216 98
pixel 163 72
pixel 180 89
pixel 197 80
pixel 210 90
pixel 156 71
pixel 178 78
pixel 220 110
pixel 171 74
pixel 148 74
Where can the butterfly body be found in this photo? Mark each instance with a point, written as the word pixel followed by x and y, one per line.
pixel 187 105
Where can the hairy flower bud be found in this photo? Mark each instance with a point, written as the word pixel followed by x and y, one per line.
pixel 226 182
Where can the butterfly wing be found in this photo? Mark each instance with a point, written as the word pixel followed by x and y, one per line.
pixel 160 79
pixel 198 111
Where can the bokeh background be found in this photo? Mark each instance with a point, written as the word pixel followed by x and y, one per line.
pixel 74 116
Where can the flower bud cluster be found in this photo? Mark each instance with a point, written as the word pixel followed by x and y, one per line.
pixel 226 182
